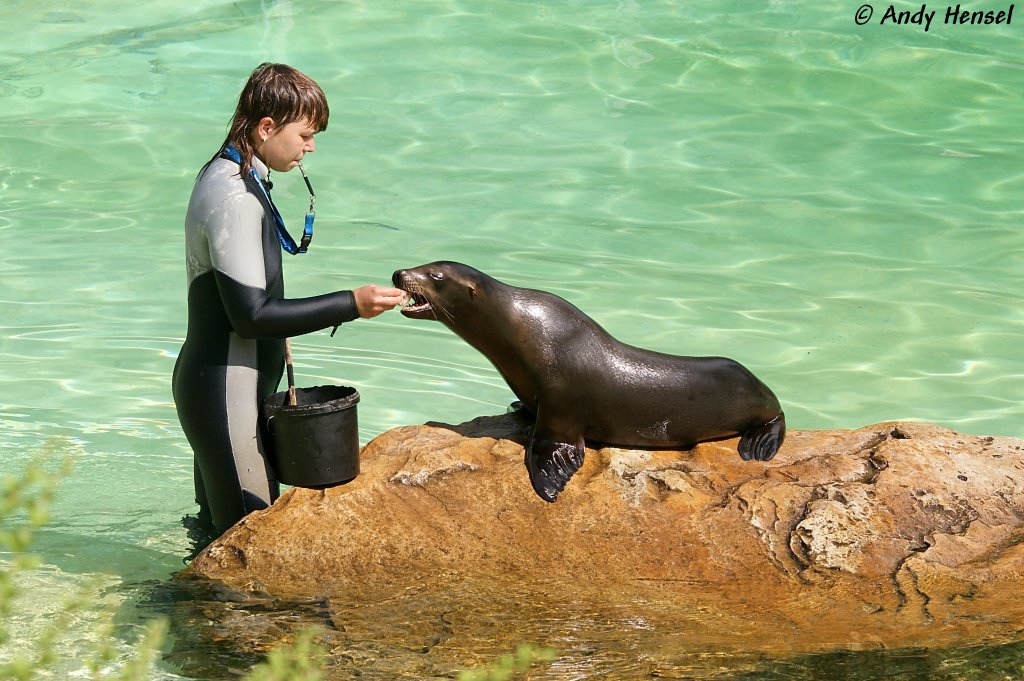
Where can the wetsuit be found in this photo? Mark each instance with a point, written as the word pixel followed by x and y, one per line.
pixel 233 355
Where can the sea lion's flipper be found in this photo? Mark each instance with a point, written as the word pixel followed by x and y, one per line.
pixel 551 464
pixel 763 442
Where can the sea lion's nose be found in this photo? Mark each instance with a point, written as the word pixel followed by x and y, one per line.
pixel 397 278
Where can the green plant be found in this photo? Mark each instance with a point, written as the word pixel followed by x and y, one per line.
pixel 301 661
pixel 510 665
pixel 24 507
pixel 25 502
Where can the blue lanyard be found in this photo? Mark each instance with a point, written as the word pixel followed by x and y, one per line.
pixel 287 242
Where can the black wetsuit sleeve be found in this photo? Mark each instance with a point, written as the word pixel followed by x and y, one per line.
pixel 254 313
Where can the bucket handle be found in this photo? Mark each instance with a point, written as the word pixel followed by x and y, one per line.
pixel 291 372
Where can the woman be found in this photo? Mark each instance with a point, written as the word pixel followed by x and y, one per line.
pixel 238 317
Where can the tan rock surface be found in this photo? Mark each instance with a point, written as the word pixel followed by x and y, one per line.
pixel 896 534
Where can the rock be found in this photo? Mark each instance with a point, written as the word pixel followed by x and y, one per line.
pixel 895 534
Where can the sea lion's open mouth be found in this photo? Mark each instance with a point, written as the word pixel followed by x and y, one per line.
pixel 416 303
pixel 417 306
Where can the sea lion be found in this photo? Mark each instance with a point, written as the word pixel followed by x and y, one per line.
pixel 582 384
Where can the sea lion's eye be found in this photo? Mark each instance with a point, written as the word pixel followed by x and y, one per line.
pixel 436 276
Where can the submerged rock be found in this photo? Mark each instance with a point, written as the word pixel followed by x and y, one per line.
pixel 895 534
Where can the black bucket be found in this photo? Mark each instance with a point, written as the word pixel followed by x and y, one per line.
pixel 314 443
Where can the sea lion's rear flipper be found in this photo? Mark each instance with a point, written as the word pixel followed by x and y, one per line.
pixel 551 464
pixel 763 442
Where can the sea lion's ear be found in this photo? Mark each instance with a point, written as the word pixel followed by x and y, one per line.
pixel 472 291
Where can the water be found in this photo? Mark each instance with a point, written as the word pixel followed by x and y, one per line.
pixel 836 206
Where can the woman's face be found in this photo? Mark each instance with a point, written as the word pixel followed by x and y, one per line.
pixel 282 147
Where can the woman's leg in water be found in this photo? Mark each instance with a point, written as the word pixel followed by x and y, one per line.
pixel 219 415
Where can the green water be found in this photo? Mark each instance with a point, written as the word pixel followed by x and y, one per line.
pixel 836 206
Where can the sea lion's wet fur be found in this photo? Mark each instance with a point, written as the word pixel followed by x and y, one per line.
pixel 583 384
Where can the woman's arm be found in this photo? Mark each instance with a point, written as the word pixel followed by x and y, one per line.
pixel 255 313
pixel 235 233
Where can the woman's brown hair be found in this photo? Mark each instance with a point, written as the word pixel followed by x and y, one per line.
pixel 281 92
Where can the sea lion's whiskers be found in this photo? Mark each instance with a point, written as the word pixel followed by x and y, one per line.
pixel 444 311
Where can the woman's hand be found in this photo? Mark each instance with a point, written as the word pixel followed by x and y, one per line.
pixel 371 299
